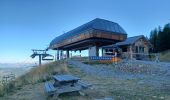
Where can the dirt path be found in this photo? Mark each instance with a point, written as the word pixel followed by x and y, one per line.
pixel 152 73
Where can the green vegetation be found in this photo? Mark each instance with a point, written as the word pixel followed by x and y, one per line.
pixel 160 38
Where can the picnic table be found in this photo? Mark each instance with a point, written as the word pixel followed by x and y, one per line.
pixel 61 80
pixel 65 84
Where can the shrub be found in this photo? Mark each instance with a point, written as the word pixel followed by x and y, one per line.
pixel 1 91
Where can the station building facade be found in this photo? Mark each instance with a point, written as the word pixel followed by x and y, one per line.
pixel 90 36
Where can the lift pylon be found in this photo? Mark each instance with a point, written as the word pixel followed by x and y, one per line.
pixel 42 55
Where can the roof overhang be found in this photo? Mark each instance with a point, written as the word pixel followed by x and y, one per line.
pixel 85 44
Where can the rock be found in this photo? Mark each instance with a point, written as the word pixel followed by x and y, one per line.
pixel 154 96
pixel 105 99
pixel 141 82
pixel 162 97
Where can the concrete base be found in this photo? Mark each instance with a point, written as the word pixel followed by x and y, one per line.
pixel 94 51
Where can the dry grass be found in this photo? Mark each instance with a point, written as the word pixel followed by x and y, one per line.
pixel 165 56
pixel 35 75
pixel 43 73
pixel 133 89
pixel 119 89
pixel 1 90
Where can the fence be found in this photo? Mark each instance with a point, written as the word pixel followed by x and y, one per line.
pixel 127 56
pixel 141 56
pixel 107 59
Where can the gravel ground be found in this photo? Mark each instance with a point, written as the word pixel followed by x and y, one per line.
pixel 156 74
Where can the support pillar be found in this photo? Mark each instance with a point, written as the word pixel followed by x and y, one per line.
pixel 102 52
pixel 61 54
pixel 57 54
pixel 55 57
pixel 71 54
pixel 94 51
pixel 97 51
pixel 39 60
pixel 80 52
pixel 67 53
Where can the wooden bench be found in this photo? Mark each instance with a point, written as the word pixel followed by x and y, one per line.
pixel 68 89
pixel 65 84
pixel 84 85
pixel 50 89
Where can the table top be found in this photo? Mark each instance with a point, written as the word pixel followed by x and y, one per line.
pixel 65 78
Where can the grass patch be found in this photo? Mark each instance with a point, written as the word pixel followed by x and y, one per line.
pixel 165 56
pixel 1 90
pixel 35 75
pixel 119 89
pixel 41 74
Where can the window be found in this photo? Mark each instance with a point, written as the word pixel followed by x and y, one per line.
pixel 124 49
pixel 141 49
pixel 136 49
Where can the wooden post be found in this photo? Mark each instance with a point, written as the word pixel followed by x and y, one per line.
pixel 131 55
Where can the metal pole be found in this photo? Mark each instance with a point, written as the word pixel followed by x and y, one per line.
pixel 39 60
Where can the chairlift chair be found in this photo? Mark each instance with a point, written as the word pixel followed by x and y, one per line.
pixel 44 57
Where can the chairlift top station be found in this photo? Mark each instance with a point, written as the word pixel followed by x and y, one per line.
pixel 96 32
pixel 91 35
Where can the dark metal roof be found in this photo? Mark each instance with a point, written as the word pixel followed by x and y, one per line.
pixel 97 23
pixel 130 40
pixel 110 46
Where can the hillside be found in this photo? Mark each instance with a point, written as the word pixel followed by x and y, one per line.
pixel 125 81
pixel 37 75
pixel 165 56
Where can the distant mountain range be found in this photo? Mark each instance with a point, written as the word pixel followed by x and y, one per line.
pixel 14 65
pixel 15 68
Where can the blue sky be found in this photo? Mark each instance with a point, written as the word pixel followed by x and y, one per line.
pixel 29 24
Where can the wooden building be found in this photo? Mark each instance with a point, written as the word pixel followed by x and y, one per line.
pixel 133 47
